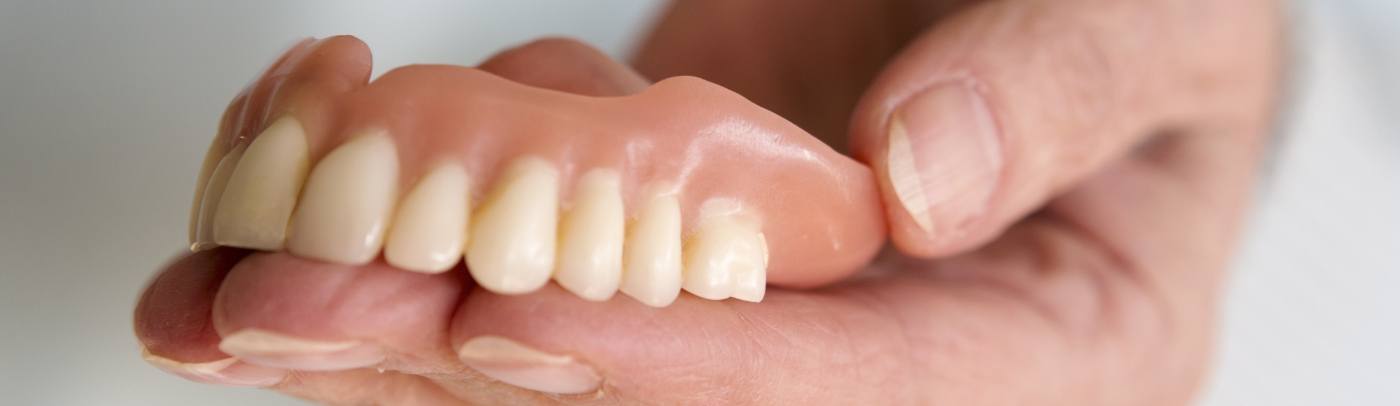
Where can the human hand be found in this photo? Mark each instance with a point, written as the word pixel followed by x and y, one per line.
pixel 1131 142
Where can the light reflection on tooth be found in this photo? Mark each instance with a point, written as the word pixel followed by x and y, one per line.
pixel 591 236
pixel 209 200
pixel 349 197
pixel 262 191
pixel 726 256
pixel 652 255
pixel 430 228
pixel 511 249
pixel 750 284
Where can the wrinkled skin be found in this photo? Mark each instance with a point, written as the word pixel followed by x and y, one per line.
pixel 1094 281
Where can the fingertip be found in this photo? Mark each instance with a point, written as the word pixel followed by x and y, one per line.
pixel 938 159
pixel 173 327
pixel 277 310
pixel 172 316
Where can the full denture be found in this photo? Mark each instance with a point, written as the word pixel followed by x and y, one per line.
pixel 684 185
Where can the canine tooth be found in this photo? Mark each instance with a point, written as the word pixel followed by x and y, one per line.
pixel 345 208
pixel 722 257
pixel 430 228
pixel 590 237
pixel 262 191
pixel 512 243
pixel 209 200
pixel 652 254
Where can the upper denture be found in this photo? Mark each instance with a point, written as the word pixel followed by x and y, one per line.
pixel 814 212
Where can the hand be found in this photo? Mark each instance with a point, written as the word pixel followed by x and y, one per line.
pixel 1074 176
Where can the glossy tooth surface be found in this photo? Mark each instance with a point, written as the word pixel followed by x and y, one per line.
pixel 750 284
pixel 723 257
pixel 590 237
pixel 652 255
pixel 259 197
pixel 512 243
pixel 430 228
pixel 349 197
pixel 209 200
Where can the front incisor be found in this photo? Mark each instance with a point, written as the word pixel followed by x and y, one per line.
pixel 262 191
pixel 349 197
pixel 208 204
pixel 591 236
pixel 428 233
pixel 513 232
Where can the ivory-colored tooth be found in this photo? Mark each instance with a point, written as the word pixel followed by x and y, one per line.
pixel 590 237
pixel 652 255
pixel 262 191
pixel 213 156
pixel 512 243
pixel 750 284
pixel 349 197
pixel 209 199
pixel 430 228
pixel 722 250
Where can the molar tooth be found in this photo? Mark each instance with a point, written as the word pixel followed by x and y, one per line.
pixel 652 254
pixel 345 208
pixel 511 249
pixel 260 194
pixel 724 258
pixel 430 228
pixel 203 226
pixel 751 283
pixel 590 237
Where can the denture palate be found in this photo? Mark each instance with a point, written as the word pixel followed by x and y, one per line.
pixel 434 165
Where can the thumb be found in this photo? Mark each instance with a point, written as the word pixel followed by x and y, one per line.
pixel 984 117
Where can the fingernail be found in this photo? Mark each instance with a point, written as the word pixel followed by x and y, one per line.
pixel 516 364
pixel 944 156
pixel 227 371
pixel 282 351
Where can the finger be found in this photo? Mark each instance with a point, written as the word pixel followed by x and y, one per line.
pixel 994 111
pixel 370 387
pixel 281 311
pixel 901 340
pixel 173 327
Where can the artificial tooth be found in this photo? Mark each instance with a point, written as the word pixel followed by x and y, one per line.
pixel 751 283
pixel 723 254
pixel 652 254
pixel 212 158
pixel 513 232
pixel 209 199
pixel 349 197
pixel 430 228
pixel 258 199
pixel 591 236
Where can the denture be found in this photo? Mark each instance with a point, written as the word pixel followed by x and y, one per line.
pixel 683 186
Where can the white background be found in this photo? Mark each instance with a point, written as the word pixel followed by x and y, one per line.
pixel 106 107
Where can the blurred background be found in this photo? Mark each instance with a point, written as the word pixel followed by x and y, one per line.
pixel 106 108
